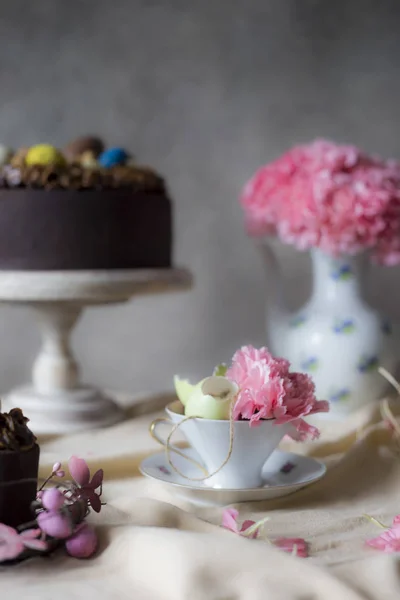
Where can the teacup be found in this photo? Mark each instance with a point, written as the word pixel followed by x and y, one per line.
pixel 252 446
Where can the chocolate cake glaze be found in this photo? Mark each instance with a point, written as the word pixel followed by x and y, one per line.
pixel 62 229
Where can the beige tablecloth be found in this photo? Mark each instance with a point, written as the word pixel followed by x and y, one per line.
pixel 153 547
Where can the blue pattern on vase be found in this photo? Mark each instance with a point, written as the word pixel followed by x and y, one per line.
pixel 297 321
pixel 387 327
pixel 367 364
pixel 340 395
pixel 343 273
pixel 344 326
pixel 310 364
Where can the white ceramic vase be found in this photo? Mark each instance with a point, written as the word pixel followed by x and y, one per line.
pixel 336 337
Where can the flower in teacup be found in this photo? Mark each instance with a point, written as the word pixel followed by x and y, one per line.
pixel 267 390
pixel 212 398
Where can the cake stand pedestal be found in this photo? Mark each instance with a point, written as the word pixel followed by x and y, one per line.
pixel 56 401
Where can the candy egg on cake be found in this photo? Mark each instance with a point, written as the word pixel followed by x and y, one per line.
pixel 44 154
pixel 79 146
pixel 113 157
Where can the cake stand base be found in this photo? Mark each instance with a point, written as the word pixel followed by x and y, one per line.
pixel 69 411
pixel 58 402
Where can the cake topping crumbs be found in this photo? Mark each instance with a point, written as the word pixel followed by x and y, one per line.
pixel 84 164
pixel 14 431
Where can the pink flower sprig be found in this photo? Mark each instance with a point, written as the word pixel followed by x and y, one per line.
pixel 252 529
pixel 389 540
pixel 86 487
pixel 13 543
pixel 55 519
pixel 56 471
pixel 268 390
pixel 329 196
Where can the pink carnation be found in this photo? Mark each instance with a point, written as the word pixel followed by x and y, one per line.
pixel 267 390
pixel 329 196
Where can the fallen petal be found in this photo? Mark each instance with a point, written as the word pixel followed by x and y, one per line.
pixel 296 546
pixel 229 519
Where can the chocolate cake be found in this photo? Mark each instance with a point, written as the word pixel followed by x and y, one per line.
pixel 19 464
pixel 81 209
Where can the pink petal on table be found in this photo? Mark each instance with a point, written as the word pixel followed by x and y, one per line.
pixel 229 519
pixel 97 479
pixel 246 525
pixel 296 546
pixel 388 541
pixel 396 521
pixel 79 470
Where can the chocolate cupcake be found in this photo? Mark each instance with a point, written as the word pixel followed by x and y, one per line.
pixel 19 465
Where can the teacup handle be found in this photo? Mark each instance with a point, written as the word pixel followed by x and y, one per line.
pixel 155 435
pixel 169 447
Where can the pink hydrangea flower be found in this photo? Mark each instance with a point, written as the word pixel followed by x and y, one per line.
pixel 12 543
pixel 329 196
pixel 267 390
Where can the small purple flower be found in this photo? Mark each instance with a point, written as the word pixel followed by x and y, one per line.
pixel 86 487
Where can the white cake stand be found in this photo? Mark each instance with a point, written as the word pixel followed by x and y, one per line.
pixel 56 401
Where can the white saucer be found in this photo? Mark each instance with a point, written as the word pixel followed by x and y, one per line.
pixel 283 473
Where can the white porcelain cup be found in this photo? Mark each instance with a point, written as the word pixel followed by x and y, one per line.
pixel 252 446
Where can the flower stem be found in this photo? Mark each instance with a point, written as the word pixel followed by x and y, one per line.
pixel 376 522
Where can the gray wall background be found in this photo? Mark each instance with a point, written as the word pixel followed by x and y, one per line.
pixel 205 91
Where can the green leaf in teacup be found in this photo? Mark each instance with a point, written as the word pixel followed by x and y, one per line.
pixel 220 370
pixel 212 398
pixel 184 389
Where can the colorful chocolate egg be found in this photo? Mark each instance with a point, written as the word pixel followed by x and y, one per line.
pixel 44 154
pixel 88 160
pixel 83 144
pixel 113 157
